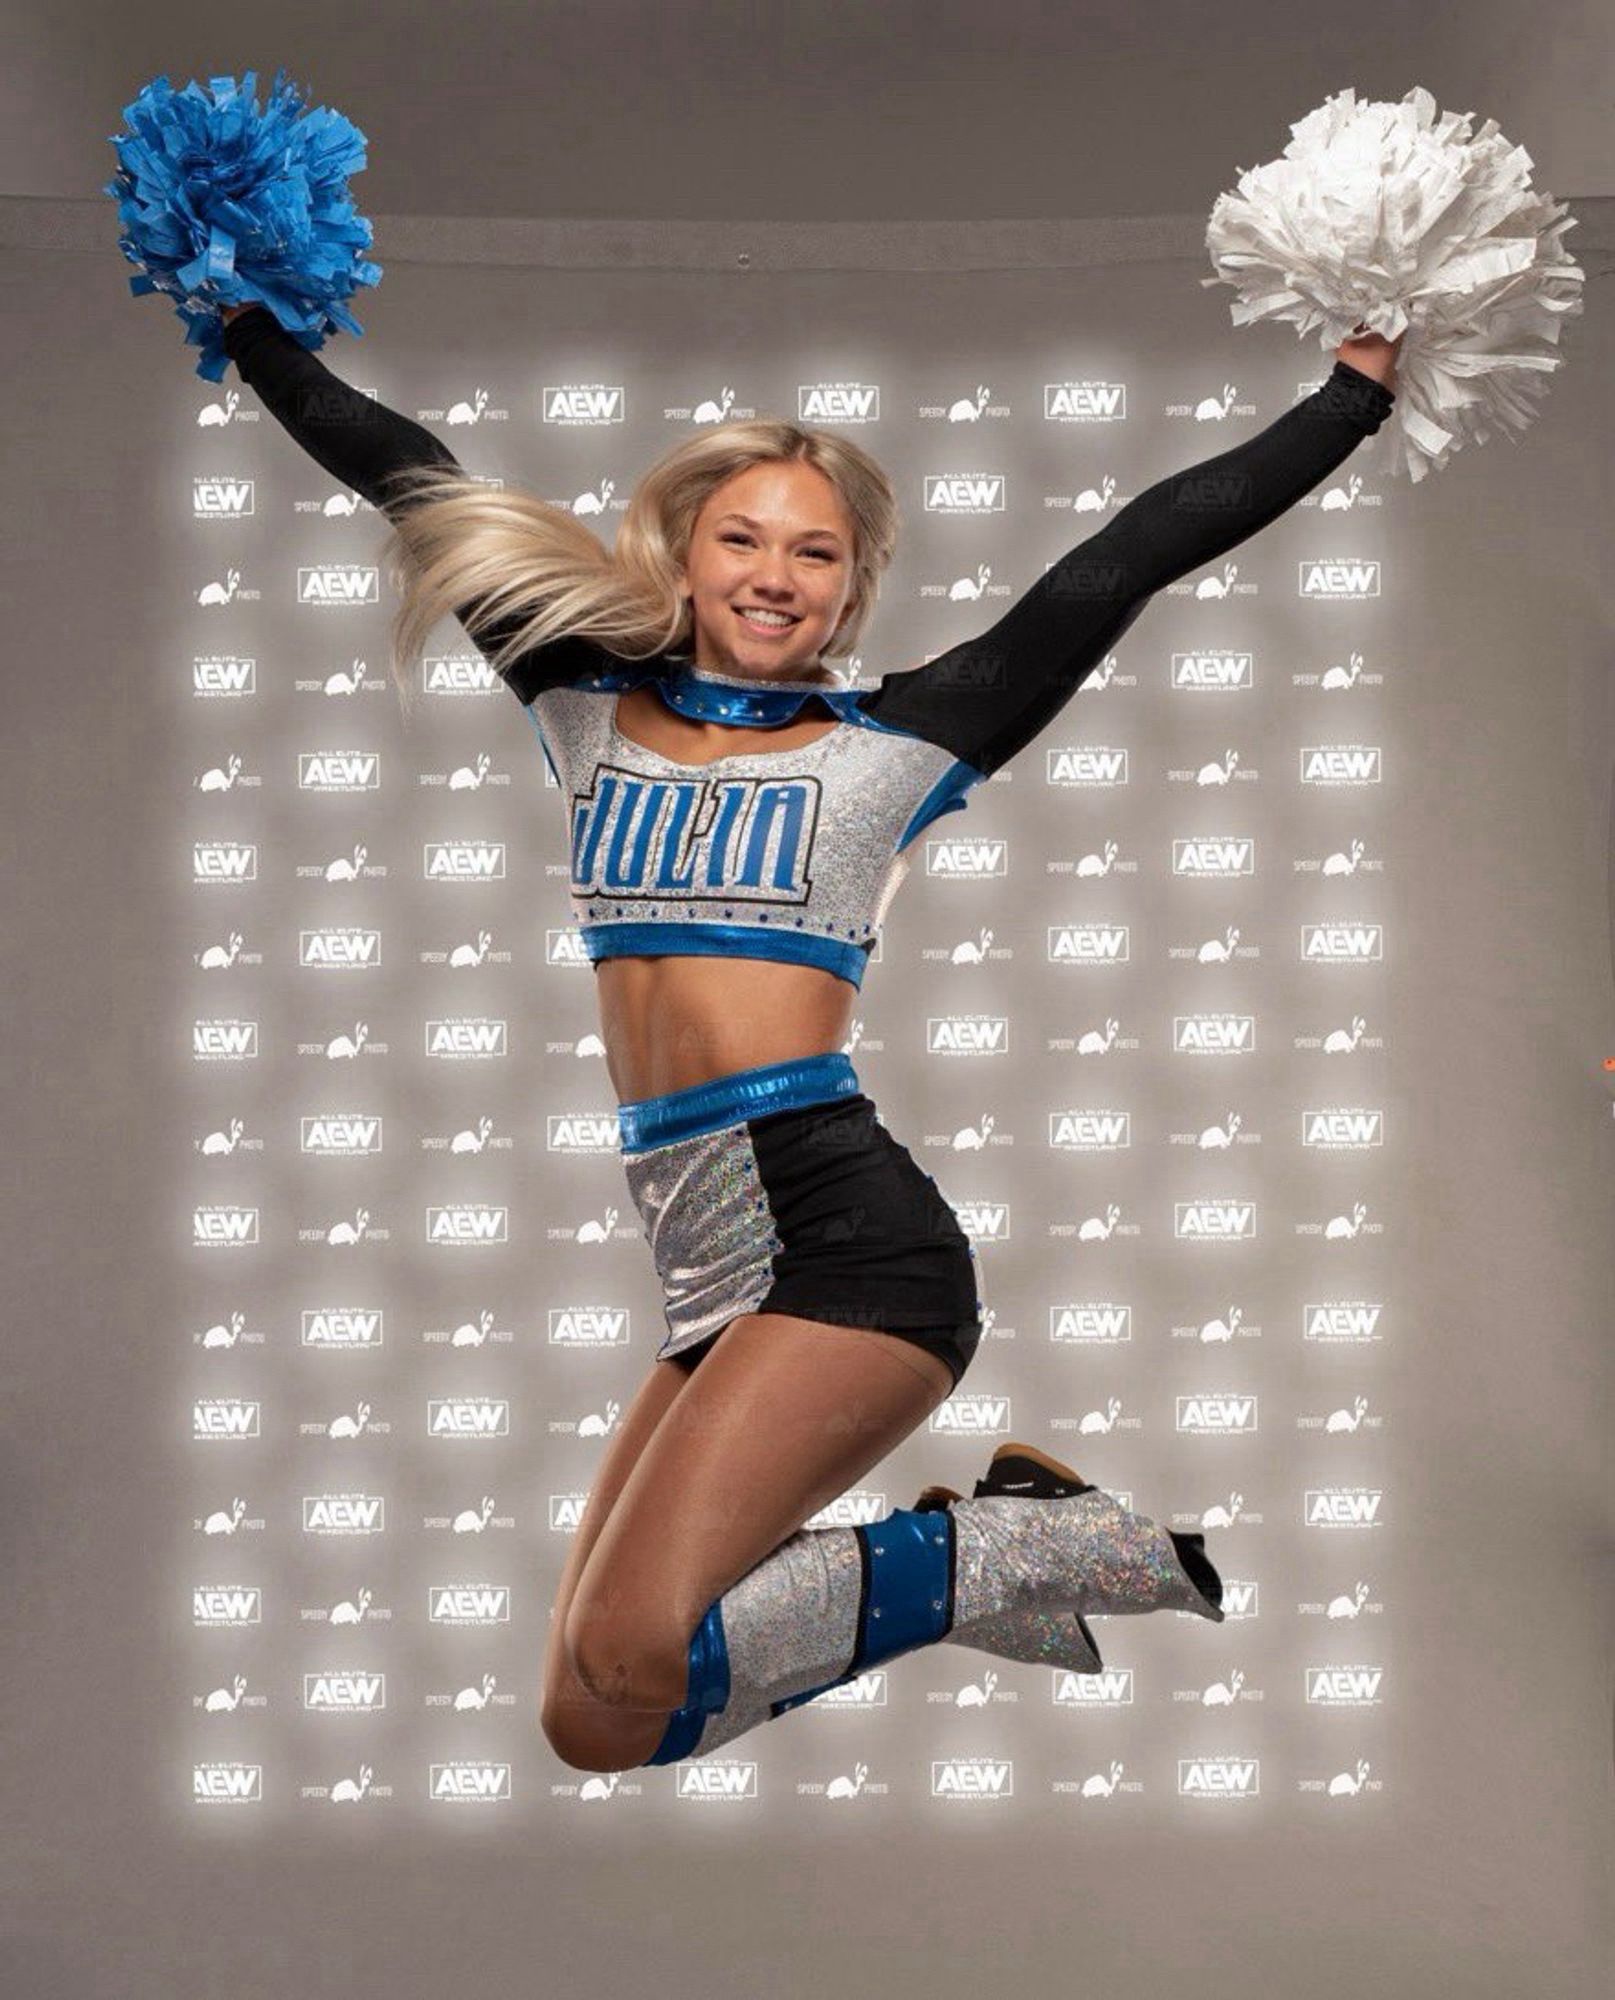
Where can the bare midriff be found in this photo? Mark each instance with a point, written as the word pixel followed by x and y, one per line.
pixel 671 1022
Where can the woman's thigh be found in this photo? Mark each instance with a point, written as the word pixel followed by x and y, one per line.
pixel 655 1396
pixel 782 1416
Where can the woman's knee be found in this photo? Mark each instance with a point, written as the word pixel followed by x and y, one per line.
pixel 626 1656
pixel 591 1737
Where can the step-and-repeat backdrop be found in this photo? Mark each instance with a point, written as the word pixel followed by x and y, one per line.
pixel 1131 1010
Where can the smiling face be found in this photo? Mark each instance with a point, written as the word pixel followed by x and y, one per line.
pixel 776 537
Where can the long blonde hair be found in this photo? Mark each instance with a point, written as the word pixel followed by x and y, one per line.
pixel 501 556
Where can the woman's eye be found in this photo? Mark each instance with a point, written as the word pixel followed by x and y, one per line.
pixel 827 555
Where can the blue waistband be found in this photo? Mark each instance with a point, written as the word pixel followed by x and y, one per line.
pixel 731 1099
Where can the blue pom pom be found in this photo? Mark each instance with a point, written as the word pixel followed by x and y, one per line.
pixel 221 204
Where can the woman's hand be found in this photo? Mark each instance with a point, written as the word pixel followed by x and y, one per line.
pixel 229 313
pixel 1371 354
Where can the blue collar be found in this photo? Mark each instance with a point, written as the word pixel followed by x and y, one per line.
pixel 741 698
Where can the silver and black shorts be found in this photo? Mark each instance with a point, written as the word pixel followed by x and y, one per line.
pixel 778 1189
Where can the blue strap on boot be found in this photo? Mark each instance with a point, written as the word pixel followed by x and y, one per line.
pixel 906 1603
pixel 707 1689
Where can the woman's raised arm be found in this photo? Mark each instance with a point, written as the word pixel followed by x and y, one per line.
pixel 986 698
pixel 355 438
pixel 363 443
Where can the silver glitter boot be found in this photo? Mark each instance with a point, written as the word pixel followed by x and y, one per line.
pixel 1039 1638
pixel 1082 1554
pixel 829 1603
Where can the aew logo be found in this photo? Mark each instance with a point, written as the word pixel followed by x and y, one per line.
pixel 582 1132
pixel 838 403
pixel 338 771
pixel 1214 857
pixel 1091 1131
pixel 1089 944
pixel 464 1783
pixel 965 492
pixel 728 1780
pixel 466 1036
pixel 1344 1687
pixel 1219 1777
pixel 1341 764
pixel 972 1778
pixel 1342 944
pixel 1087 766
pixel 228 1417
pixel 342 1326
pixel 227 1605
pixel 476 1224
pixel 967 1035
pixel 338 584
pixel 339 1135
pixel 1084 402
pixel 1353 1321
pixel 587 1326
pixel 464 861
pixel 348 948
pixel 1213 1034
pixel 1112 1687
pixel 227 1784
pixel 468 1604
pixel 214 499
pixel 229 861
pixel 344 1514
pixel 458 674
pixel 1214 1221
pixel 345 1693
pixel 1342 1506
pixel 222 1226
pixel 1216 1416
pixel 1343 1129
pixel 1213 673
pixel 1335 581
pixel 966 858
pixel 223 677
pixel 584 404
pixel 983 1221
pixel 748 840
pixel 1097 1323
pixel 468 1416
pixel 976 1415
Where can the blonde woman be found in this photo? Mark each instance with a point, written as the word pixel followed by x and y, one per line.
pixel 738 815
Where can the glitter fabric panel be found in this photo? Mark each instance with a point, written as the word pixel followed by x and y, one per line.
pixel 710 1230
pixel 1039 1636
pixel 789 1624
pixel 1087 1554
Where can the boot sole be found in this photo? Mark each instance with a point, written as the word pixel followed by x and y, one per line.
pixel 1066 1474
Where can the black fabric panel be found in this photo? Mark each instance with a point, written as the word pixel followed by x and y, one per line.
pixel 868 1238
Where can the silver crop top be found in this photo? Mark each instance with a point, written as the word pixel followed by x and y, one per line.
pixel 782 854
pixel 796 854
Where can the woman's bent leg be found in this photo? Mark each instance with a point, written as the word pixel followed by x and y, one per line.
pixel 781 1418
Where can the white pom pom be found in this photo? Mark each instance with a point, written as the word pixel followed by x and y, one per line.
pixel 1393 217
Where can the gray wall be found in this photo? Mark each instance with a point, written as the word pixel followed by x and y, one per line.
pixel 1478 1859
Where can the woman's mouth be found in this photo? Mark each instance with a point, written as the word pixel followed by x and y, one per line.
pixel 767 625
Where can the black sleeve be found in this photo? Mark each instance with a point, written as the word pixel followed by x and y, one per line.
pixel 985 700
pixel 361 442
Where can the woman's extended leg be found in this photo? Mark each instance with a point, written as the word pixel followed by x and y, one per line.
pixel 780 1419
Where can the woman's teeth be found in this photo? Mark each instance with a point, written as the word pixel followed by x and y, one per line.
pixel 766 622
